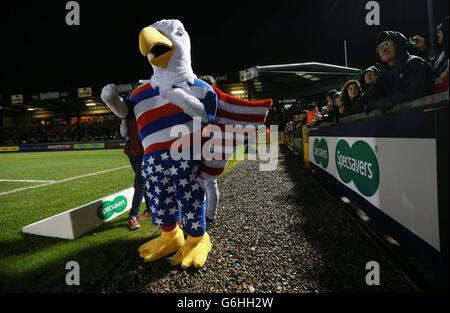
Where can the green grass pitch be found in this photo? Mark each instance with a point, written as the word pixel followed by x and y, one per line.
pixel 37 264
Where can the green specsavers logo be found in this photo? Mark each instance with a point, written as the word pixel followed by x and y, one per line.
pixel 108 208
pixel 320 152
pixel 358 163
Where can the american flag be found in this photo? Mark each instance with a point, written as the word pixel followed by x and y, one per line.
pixel 232 111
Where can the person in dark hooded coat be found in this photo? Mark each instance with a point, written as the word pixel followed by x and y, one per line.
pixel 368 78
pixel 403 77
pixel 439 62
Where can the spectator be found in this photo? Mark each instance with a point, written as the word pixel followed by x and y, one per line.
pixel 331 107
pixel 302 119
pixel 210 185
pixel 310 115
pixel 368 78
pixel 134 151
pixel 440 61
pixel 351 96
pixel 337 99
pixel 402 77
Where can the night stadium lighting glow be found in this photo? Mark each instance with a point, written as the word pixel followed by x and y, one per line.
pixel 237 92
pixel 91 104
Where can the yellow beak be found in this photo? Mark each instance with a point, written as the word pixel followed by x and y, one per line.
pixel 157 44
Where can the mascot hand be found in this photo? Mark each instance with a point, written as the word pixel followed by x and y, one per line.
pixel 168 243
pixel 194 252
pixel 110 93
pixel 190 104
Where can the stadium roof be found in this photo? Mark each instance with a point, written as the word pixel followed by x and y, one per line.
pixel 296 80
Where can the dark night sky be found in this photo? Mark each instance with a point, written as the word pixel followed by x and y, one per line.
pixel 42 53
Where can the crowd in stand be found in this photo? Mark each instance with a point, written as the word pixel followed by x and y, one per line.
pixel 95 129
pixel 399 76
pixel 405 71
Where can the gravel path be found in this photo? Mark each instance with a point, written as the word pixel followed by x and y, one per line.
pixel 277 232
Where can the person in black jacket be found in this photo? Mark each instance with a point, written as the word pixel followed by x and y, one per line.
pixel 439 62
pixel 332 109
pixel 368 78
pixel 403 77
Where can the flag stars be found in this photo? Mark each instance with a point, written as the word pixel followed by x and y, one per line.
pixel 154 179
pixel 165 156
pixel 171 189
pixel 187 196
pixel 190 215
pixel 158 221
pixel 195 187
pixel 183 182
pixel 165 181
pixel 172 211
pixel 158 168
pixel 173 170
pixel 195 225
pixel 161 212
pixel 184 165
pixel 168 200
pixel 157 190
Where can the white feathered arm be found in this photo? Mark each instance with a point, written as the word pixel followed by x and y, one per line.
pixel 110 95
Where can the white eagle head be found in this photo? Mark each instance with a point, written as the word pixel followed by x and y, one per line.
pixel 167 46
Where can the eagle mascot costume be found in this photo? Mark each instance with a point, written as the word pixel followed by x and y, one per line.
pixel 174 97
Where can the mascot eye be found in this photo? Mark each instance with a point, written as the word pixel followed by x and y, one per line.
pixel 179 33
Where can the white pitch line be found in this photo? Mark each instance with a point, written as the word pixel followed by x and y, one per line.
pixel 26 181
pixel 62 181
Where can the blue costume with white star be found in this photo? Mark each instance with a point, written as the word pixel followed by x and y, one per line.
pixel 174 193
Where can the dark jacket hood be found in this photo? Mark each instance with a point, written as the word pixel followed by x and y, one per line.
pixel 400 42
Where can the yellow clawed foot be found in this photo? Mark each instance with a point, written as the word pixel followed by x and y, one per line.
pixel 168 243
pixel 194 252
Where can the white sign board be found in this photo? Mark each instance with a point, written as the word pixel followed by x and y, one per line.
pixel 16 99
pixel 396 175
pixel 76 222
pixel 84 92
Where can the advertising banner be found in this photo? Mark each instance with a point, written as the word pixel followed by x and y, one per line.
pixel 396 175
pixel 9 149
pixel 89 145
pixel 116 145
pixel 32 147
pixel 63 146
pixel 76 222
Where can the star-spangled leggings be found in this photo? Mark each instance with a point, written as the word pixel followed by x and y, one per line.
pixel 174 193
